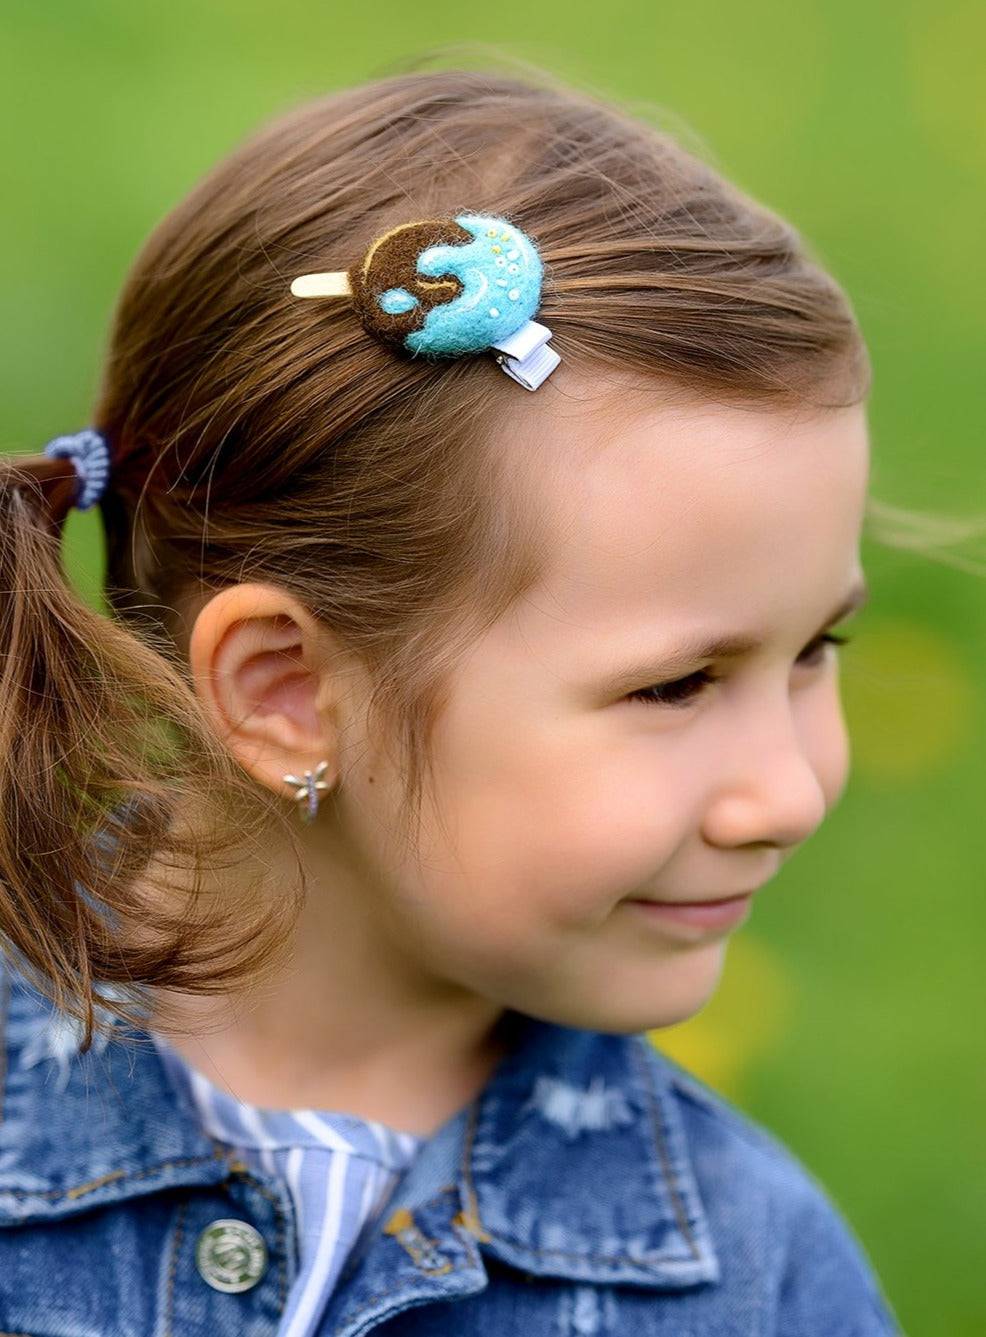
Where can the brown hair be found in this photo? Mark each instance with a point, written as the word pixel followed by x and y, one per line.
pixel 257 437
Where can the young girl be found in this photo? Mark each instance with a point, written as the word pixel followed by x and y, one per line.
pixel 543 661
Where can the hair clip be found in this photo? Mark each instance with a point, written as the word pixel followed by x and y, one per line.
pixel 90 457
pixel 448 288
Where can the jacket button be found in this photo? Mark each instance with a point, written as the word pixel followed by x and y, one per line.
pixel 231 1256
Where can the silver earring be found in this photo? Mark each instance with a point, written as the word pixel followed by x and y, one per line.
pixel 309 788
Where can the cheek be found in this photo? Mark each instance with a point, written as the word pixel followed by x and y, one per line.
pixel 573 825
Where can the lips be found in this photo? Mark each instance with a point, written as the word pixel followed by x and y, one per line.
pixel 714 915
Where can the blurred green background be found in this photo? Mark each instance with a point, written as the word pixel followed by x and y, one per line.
pixel 850 1019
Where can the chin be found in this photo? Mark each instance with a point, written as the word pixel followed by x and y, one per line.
pixel 628 1016
pixel 664 995
pixel 634 1020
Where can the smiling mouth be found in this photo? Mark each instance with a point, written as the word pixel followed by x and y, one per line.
pixel 710 916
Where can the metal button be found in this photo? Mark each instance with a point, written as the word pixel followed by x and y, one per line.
pixel 231 1256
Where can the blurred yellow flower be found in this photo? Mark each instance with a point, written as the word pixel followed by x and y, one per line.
pixel 910 700
pixel 748 1017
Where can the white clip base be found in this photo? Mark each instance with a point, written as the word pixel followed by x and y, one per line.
pixel 526 357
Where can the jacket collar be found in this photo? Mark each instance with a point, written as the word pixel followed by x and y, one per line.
pixel 80 1131
pixel 571 1164
pixel 575 1165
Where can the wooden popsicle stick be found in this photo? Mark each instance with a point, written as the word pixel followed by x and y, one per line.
pixel 321 285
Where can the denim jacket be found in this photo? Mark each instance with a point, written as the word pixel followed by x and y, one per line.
pixel 593 1189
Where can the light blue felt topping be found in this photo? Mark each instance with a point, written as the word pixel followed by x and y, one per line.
pixel 395 301
pixel 500 272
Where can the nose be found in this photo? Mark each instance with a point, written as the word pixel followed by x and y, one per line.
pixel 775 787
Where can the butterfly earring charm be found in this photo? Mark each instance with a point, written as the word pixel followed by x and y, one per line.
pixel 309 789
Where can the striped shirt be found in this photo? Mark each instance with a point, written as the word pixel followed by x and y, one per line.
pixel 339 1170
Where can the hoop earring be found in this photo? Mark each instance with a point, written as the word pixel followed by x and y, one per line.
pixel 309 789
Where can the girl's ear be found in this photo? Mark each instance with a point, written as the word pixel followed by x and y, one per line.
pixel 273 679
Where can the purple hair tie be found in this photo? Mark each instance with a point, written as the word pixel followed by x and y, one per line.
pixel 90 456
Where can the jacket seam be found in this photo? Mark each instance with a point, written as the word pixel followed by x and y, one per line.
pixel 472 1257
pixel 118 1176
pixel 169 1298
pixel 370 1301
pixel 662 1150
pixel 279 1224
pixel 640 1261
pixel 465 1171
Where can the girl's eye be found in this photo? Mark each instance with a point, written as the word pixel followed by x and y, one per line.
pixel 683 691
pixel 813 654
pixel 680 692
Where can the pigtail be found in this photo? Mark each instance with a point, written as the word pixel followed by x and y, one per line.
pixel 98 785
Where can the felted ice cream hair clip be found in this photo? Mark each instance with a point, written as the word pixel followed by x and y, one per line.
pixel 448 288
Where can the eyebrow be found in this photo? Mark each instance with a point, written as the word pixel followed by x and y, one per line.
pixel 686 655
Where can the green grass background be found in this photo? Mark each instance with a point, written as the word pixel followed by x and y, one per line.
pixel 851 1017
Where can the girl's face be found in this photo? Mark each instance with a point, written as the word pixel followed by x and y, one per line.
pixel 632 750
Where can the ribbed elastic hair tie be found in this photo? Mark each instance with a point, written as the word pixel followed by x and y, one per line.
pixel 90 457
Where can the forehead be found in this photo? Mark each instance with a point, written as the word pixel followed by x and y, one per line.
pixel 683 507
